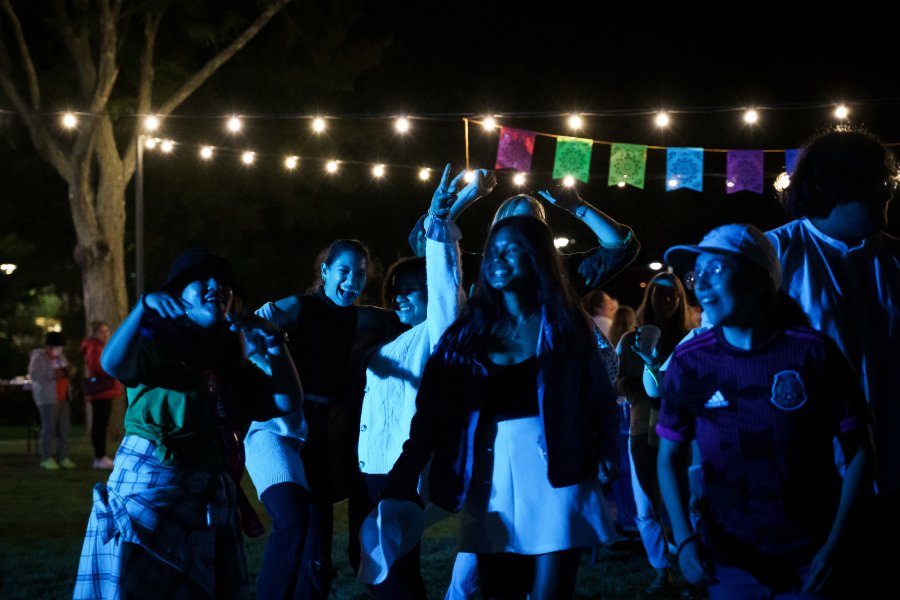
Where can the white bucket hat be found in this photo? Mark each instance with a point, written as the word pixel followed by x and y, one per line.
pixel 390 531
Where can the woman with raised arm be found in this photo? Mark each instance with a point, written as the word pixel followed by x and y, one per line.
pixel 517 409
pixel 617 247
pixel 168 522
pixel 426 294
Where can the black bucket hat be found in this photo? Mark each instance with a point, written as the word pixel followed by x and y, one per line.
pixel 197 263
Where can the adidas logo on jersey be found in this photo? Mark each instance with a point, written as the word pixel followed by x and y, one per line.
pixel 716 401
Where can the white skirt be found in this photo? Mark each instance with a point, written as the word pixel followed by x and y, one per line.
pixel 511 506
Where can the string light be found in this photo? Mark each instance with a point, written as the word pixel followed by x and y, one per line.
pixel 575 122
pixel 469 176
pixel 519 179
pixel 332 166
pixel 318 125
pixel 673 182
pixel 568 181
pixel 662 119
pixel 560 242
pixel 424 174
pixel 151 123
pixel 782 182
pixel 489 123
pixel 206 152
pixel 290 163
pixel 656 266
pixel 751 117
pixel 621 184
pixel 8 268
pixel 841 112
pixel 69 120
pixel 234 124
pixel 150 143
pixel 401 124
pixel 167 146
pixel 378 171
pixel 248 157
pixel 729 184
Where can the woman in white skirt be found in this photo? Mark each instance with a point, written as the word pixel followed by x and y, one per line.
pixel 517 413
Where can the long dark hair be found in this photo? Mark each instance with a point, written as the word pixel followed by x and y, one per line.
pixel 566 332
pixel 676 326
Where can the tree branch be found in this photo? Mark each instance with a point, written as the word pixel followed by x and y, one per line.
pixel 198 78
pixel 34 88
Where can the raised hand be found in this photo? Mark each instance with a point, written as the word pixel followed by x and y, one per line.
pixel 165 305
pixel 450 199
pixel 446 193
pixel 563 197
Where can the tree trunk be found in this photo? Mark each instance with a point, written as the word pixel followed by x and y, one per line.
pixel 101 256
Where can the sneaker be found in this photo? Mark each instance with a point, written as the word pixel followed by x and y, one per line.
pixel 66 463
pixel 50 464
pixel 102 463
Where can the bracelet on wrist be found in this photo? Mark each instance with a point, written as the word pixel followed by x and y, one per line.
pixel 691 538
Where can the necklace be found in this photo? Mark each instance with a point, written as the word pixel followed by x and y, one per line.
pixel 515 328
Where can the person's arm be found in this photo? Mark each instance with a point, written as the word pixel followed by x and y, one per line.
pixel 855 438
pixel 857 480
pixel 608 231
pixel 287 392
pixel 618 244
pixel 673 485
pixel 453 201
pixel 443 270
pixel 119 357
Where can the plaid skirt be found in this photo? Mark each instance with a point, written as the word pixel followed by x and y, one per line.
pixel 157 531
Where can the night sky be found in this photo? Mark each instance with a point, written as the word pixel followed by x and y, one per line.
pixel 478 58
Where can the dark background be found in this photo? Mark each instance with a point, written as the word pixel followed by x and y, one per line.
pixel 370 60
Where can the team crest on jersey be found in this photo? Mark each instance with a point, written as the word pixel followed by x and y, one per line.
pixel 788 392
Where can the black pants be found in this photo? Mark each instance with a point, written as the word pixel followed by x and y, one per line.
pixel 99 422
pixel 293 565
pixel 404 579
pixel 541 577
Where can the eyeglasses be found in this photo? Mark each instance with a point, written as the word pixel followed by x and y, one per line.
pixel 711 274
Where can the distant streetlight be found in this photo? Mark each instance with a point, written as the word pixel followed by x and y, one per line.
pixel 8 268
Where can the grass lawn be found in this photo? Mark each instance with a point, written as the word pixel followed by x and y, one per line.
pixel 43 515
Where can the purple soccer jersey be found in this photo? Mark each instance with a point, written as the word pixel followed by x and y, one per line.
pixel 765 420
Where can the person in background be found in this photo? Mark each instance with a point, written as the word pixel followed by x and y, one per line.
pixel 602 307
pixel 763 395
pixel 664 306
pixel 51 374
pixel 623 321
pixel 843 269
pixel 100 389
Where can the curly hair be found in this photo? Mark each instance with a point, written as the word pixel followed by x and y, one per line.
pixel 839 166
